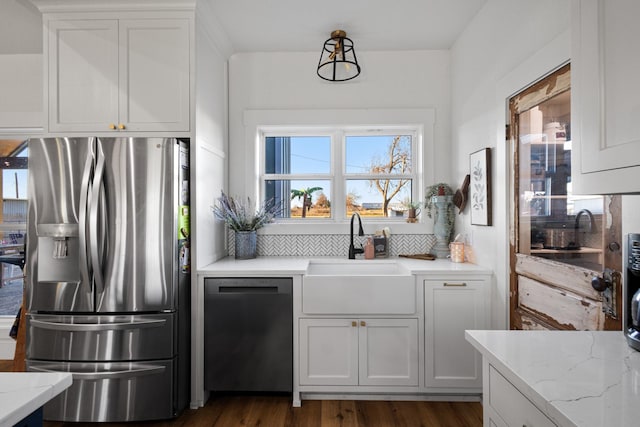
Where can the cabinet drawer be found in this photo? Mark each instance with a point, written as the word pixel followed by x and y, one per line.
pixel 511 405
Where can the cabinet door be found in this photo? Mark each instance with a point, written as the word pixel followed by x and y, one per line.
pixel 154 74
pixel 511 405
pixel 82 75
pixel 388 352
pixel 605 97
pixel 328 352
pixel 452 306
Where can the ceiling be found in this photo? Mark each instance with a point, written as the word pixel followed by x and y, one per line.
pixel 293 25
pixel 373 25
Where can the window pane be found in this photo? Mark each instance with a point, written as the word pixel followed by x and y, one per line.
pixel 297 154
pixel 14 218
pixel 301 198
pixel 378 154
pixel 378 197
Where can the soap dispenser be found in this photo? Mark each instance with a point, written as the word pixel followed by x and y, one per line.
pixel 369 252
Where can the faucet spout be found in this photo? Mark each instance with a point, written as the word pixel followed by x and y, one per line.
pixel 592 224
pixel 352 249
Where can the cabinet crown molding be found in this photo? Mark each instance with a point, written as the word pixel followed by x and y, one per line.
pixel 49 6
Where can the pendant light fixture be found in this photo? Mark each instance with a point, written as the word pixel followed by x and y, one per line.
pixel 338 61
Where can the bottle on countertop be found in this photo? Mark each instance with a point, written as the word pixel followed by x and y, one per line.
pixel 369 251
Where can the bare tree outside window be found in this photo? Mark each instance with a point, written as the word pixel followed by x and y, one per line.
pixel 397 162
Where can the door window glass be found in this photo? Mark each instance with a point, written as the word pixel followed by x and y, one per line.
pixel 555 223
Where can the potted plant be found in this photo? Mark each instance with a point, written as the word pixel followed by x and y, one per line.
pixel 413 210
pixel 440 196
pixel 244 219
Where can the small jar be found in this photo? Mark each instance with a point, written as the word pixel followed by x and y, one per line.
pixel 369 251
pixel 457 251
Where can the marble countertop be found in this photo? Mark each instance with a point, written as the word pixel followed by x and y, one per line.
pixel 579 379
pixel 298 265
pixel 21 393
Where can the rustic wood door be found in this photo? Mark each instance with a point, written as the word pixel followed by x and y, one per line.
pixel 562 246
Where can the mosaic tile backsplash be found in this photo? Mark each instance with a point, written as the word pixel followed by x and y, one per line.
pixel 331 245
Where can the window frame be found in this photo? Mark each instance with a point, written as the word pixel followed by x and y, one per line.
pixel 243 174
pixel 6 320
pixel 338 175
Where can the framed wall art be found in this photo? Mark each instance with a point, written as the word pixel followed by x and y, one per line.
pixel 480 188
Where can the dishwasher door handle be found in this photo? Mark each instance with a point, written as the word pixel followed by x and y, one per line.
pixel 248 289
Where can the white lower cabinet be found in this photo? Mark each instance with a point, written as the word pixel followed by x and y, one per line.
pixel 350 343
pixel 509 407
pixel 364 352
pixel 451 306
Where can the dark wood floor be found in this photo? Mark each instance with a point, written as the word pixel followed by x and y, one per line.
pixel 276 411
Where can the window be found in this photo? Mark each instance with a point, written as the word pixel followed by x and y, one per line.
pixel 13 221
pixel 332 173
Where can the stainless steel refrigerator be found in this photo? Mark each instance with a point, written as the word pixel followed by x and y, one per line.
pixel 108 275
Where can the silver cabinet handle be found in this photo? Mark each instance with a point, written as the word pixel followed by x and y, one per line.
pixel 93 327
pixel 455 284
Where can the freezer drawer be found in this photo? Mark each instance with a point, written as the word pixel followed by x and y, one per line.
pixel 112 392
pixel 100 338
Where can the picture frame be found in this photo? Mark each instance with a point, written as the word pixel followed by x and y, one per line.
pixel 480 188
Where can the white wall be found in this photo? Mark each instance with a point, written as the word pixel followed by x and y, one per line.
pixel 288 81
pixel 630 217
pixel 20 27
pixel 21 93
pixel 209 150
pixel 485 61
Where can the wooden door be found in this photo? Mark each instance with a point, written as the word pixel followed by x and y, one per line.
pixel 560 243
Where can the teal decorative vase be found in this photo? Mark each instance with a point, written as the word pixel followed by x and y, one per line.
pixel 246 244
pixel 441 228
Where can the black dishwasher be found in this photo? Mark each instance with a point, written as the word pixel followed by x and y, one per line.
pixel 248 330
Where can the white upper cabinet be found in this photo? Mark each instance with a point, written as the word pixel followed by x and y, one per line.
pixel 154 74
pixel 82 75
pixel 118 75
pixel 605 97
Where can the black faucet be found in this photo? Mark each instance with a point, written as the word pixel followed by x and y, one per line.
pixel 353 250
pixel 592 224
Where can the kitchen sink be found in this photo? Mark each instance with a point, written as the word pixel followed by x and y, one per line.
pixel 358 286
pixel 351 268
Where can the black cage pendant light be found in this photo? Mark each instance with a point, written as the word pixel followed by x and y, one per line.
pixel 338 61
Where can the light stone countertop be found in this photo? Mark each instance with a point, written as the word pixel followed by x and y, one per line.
pixel 579 379
pixel 298 265
pixel 21 393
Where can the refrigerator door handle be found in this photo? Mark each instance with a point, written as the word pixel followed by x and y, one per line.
pixel 94 226
pixel 85 201
pixel 108 375
pixel 95 327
